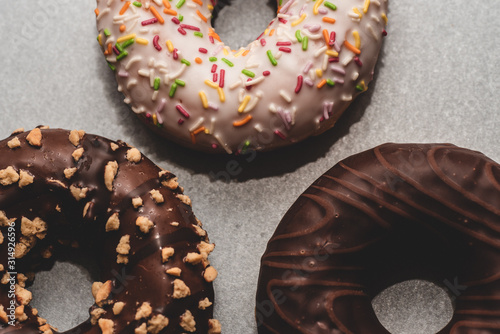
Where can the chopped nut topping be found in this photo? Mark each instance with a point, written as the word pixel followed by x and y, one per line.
pixel 174 224
pixel 123 247
pixel 57 183
pixel 184 199
pixel 133 155
pixel 144 224
pixel 118 308
pixel 144 311
pixel 122 259
pixel 136 202
pixel 35 227
pixel 110 173
pixel 69 172
pixel 114 146
pixel 1 238
pixel 205 249
pixel 14 143
pixel 23 296
pixel 21 280
pixel 166 253
pixel 46 329
pixel 187 322
pixel 156 196
pixel 75 136
pixel 210 274
pixel 78 193
pixel 47 253
pixel 35 137
pixel 157 323
pixel 201 232
pixel 113 222
pixel 3 315
pixel 214 327
pixel 95 314
pixel 174 271
pixel 181 290
pixel 141 329
pixel 4 221
pixel 77 154
pixel 193 258
pixel 95 288
pixel 86 209
pixel 18 131
pixel 5 278
pixel 106 326
pixel 103 292
pixel 204 304
pixel 20 315
pixel 171 184
pixel 25 178
pixel 24 245
pixel 8 176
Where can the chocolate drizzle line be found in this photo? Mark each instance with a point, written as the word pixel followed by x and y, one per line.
pixel 144 278
pixel 390 214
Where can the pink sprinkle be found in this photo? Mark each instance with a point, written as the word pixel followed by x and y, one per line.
pixel 180 121
pixel 150 21
pixel 300 80
pixel 115 50
pixel 312 27
pixel 358 61
pixel 283 43
pixel 155 43
pixel 333 37
pixel 279 134
pixel 333 59
pixel 283 49
pixel 159 118
pixel 322 10
pixel 215 77
pixel 182 31
pixel 214 68
pixel 384 33
pixel 211 38
pixel 123 74
pixel 189 27
pixel 213 106
pixel 175 54
pixel 309 82
pixel 176 20
pixel 266 73
pixel 262 42
pixel 203 50
pixel 338 69
pixel 222 77
pixel 148 115
pixel 182 111
pixel 282 20
pixel 307 67
pixel 214 146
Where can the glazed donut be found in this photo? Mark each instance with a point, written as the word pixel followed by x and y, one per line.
pixel 393 213
pixel 293 81
pixel 63 188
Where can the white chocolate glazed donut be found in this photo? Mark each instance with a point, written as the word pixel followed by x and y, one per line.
pixel 294 81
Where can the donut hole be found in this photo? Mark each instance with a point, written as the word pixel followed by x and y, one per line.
pixel 413 307
pixel 239 22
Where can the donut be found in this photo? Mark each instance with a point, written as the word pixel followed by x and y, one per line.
pixel 64 189
pixel 293 81
pixel 393 213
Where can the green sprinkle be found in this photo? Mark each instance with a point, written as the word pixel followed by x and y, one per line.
pixel 330 5
pixel 245 146
pixel 172 90
pixel 180 3
pixel 119 47
pixel 181 18
pixel 128 43
pixel 298 36
pixel 137 4
pixel 271 58
pixel 360 88
pixel 111 66
pixel 199 34
pixel 106 32
pixel 185 61
pixel 179 82
pixel 248 73
pixel 122 55
pixel 227 62
pixel 281 2
pixel 157 84
pixel 212 59
pixel 330 82
pixel 305 42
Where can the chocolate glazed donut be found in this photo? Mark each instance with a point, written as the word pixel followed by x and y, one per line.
pixel 62 189
pixel 393 213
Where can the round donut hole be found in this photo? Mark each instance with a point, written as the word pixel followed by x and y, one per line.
pixel 239 22
pixel 62 292
pixel 413 307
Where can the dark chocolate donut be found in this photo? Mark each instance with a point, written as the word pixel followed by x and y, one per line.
pixel 390 214
pixel 63 188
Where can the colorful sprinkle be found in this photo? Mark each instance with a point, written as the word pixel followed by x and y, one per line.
pixel 227 62
pixel 248 73
pixel 156 84
pixel 305 43
pixel 271 58
pixel 243 121
pixel 330 5
pixel 180 3
pixel 182 111
pixel 156 14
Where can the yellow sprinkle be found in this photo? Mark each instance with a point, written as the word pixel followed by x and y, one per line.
pixel 366 6
pixel 170 46
pixel 357 39
pixel 125 38
pixel 222 97
pixel 266 31
pixel 244 103
pixel 142 41
pixel 210 7
pixel 356 10
pixel 332 53
pixel 239 53
pixel 302 18
pixel 203 98
pixel 212 84
pixel 155 119
pixel 316 7
pixel 319 72
pixel 100 39
pixel 226 53
pixel 384 17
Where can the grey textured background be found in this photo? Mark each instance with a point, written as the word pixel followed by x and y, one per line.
pixel 436 81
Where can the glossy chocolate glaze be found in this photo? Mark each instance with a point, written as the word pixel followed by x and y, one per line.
pixel 144 278
pixel 393 213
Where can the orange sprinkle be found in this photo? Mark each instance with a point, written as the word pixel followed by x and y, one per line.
pixel 326 35
pixel 328 19
pixel 198 2
pixel 96 11
pixel 199 130
pixel 166 4
pixel 351 47
pixel 212 33
pixel 243 121
pixel 170 12
pixel 201 15
pixel 245 53
pixel 123 27
pixel 109 50
pixel 198 60
pixel 157 15
pixel 193 138
pixel 271 32
pixel 321 83
pixel 124 8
